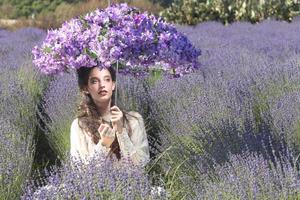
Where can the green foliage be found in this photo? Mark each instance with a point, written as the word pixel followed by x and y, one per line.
pixel 33 83
pixel 168 171
pixel 227 11
pixel 155 75
pixel 176 164
pixel 268 96
pixel 297 134
pixel 164 3
pixel 60 139
pixel 26 8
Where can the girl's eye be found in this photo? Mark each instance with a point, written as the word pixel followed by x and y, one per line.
pixel 107 79
pixel 94 81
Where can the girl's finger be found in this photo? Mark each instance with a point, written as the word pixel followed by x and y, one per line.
pixel 107 133
pixel 115 112
pixel 104 131
pixel 115 108
pixel 101 132
pixel 101 128
pixel 115 119
pixel 116 116
pixel 111 133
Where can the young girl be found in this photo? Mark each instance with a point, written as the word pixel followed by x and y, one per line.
pixel 101 127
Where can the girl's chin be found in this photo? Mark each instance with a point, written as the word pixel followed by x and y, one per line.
pixel 103 99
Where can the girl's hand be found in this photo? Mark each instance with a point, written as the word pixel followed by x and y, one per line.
pixel 117 118
pixel 107 135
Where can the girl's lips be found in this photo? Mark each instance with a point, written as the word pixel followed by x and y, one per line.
pixel 103 93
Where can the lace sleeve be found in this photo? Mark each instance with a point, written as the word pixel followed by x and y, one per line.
pixel 74 141
pixel 135 147
pixel 78 143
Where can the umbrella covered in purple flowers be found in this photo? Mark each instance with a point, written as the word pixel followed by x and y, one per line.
pixel 119 36
pixel 138 41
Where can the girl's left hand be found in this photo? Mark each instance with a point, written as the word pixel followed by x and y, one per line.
pixel 107 135
pixel 117 118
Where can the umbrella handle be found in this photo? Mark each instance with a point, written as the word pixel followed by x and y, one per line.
pixel 116 91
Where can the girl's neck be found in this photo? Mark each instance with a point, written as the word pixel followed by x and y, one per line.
pixel 104 109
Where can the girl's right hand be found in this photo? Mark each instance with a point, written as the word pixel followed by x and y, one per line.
pixel 107 135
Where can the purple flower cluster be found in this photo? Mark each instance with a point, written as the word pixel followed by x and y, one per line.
pixel 138 41
pixel 100 179
pixel 251 176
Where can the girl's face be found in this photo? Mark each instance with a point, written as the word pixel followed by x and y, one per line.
pixel 100 85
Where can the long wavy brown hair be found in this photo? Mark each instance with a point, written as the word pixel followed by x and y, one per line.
pixel 89 118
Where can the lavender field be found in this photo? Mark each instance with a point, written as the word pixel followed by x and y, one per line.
pixel 229 131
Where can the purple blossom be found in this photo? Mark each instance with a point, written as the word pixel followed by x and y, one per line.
pixel 118 33
pixel 251 176
pixel 100 179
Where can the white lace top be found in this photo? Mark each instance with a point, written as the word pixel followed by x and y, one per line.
pixel 135 147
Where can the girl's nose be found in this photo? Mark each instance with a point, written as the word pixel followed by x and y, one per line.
pixel 101 85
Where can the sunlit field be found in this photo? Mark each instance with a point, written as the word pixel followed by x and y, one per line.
pixel 229 131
